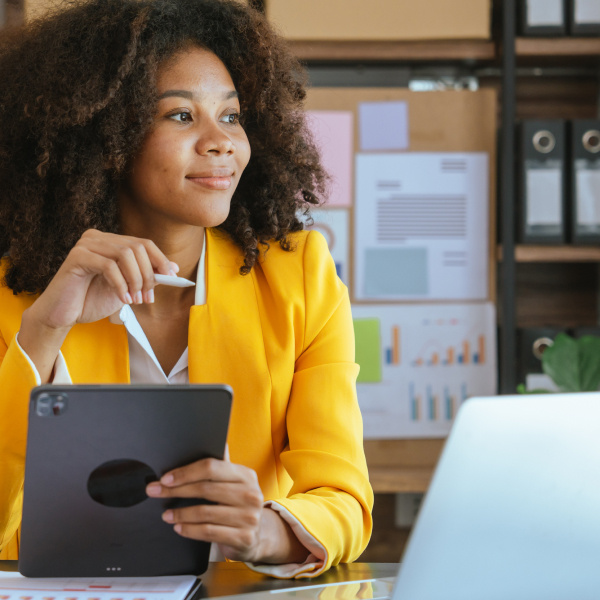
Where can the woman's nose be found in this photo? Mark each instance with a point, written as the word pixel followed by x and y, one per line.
pixel 212 138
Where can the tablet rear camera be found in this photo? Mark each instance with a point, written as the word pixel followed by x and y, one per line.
pixel 51 404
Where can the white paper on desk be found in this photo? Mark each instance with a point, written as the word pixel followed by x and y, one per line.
pixel 421 226
pixel 432 357
pixel 14 586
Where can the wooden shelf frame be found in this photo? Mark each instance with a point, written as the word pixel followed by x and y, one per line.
pixel 442 50
pixel 409 51
pixel 525 253
pixel 562 47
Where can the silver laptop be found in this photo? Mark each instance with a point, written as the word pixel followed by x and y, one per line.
pixel 512 513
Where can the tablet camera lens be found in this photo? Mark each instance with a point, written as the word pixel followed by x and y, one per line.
pixel 48 405
pixel 43 406
pixel 59 405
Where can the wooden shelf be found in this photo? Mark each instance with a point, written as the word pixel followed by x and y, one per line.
pixel 530 47
pixel 442 51
pixel 459 50
pixel 548 254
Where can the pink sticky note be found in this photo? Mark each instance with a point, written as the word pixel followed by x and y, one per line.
pixel 332 132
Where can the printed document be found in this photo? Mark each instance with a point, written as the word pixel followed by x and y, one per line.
pixel 421 226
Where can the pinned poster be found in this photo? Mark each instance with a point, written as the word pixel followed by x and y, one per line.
pixel 383 126
pixel 421 226
pixel 333 133
pixel 334 225
pixel 432 358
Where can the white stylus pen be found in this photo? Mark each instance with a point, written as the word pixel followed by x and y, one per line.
pixel 173 281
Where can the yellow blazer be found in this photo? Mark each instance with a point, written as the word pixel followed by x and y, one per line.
pixel 282 338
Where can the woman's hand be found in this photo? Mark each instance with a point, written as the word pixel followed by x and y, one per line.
pixel 101 273
pixel 237 521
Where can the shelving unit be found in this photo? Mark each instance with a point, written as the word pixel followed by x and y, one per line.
pixel 549 254
pixel 460 50
pixel 472 51
pixel 566 47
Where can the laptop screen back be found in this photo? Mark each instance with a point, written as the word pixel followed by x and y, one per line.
pixel 513 510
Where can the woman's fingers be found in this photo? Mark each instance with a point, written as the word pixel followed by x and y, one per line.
pixel 226 493
pixel 209 469
pixel 96 264
pixel 212 513
pixel 137 259
pixel 102 272
pixel 214 480
pixel 233 520
pixel 240 543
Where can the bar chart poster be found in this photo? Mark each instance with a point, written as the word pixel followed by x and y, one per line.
pixel 419 363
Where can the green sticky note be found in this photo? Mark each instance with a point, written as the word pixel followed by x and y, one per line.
pixel 368 350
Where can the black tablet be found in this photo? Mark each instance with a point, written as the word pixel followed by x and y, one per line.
pixel 91 451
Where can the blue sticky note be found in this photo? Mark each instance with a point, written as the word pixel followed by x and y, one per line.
pixel 383 126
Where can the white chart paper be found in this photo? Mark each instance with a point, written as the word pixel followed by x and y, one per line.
pixel 421 226
pixel 14 586
pixel 430 359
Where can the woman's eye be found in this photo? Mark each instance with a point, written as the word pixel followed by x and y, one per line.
pixel 182 117
pixel 231 118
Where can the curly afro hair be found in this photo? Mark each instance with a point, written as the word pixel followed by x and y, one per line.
pixel 78 96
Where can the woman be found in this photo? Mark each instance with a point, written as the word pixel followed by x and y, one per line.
pixel 166 136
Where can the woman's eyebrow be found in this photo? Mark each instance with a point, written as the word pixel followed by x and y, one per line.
pixel 193 97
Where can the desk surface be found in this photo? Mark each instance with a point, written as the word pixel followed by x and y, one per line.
pixel 225 579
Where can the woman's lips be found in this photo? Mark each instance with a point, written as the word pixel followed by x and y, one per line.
pixel 213 183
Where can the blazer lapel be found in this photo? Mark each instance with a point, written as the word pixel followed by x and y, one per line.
pixel 226 343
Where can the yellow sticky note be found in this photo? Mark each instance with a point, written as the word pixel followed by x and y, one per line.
pixel 368 350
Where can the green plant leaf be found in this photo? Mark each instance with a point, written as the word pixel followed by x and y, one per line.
pixel 589 362
pixel 561 362
pixel 574 365
pixel 521 389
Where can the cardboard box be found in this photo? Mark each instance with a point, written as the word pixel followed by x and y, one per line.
pixel 381 19
pixel 38 8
